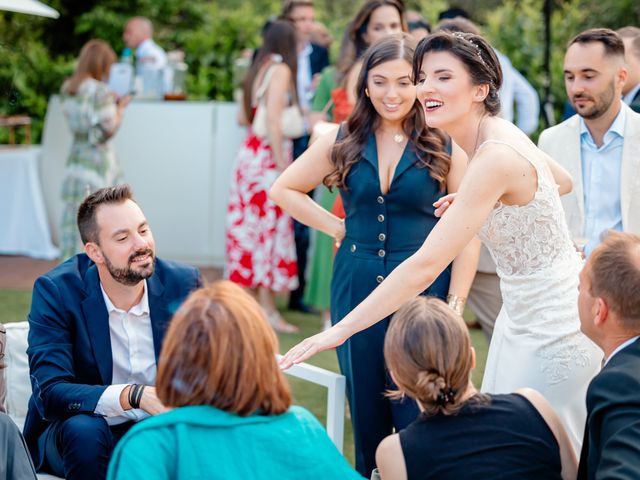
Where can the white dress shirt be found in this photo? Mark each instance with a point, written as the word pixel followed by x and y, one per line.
pixel 620 347
pixel 601 175
pixel 516 90
pixel 149 54
pixel 134 359
pixel 304 78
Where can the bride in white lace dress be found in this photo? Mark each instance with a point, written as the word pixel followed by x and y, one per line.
pixel 509 197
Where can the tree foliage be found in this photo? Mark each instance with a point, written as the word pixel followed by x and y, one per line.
pixel 36 54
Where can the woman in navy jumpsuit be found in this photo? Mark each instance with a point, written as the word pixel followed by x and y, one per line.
pixel 381 232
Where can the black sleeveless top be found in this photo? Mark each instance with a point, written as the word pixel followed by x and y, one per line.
pixel 505 439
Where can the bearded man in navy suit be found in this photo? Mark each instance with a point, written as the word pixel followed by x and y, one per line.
pixel 609 306
pixel 96 327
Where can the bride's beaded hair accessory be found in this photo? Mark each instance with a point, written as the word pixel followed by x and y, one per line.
pixel 462 36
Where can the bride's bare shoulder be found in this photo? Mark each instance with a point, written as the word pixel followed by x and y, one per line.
pixel 495 154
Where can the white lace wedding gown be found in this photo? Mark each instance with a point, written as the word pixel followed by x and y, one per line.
pixel 537 341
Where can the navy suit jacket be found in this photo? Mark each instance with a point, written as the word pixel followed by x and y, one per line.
pixel 318 58
pixel 611 447
pixel 69 341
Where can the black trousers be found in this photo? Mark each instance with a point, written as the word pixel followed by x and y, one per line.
pixel 301 237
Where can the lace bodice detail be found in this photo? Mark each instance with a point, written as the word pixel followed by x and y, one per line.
pixel 529 238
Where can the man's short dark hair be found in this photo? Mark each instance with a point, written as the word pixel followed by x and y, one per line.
pixel 417 24
pixel 611 41
pixel 453 12
pixel 87 224
pixel 289 5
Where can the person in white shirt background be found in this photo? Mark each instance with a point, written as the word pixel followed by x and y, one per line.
pixel 151 59
pixel 138 36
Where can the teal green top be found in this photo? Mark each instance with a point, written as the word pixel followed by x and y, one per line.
pixel 204 442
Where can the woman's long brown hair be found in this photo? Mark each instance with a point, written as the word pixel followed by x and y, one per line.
pixel 279 39
pixel 354 42
pixel 429 144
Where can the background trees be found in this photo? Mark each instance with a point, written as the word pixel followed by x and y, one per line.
pixel 36 54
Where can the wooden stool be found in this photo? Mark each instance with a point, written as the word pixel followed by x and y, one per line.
pixel 13 121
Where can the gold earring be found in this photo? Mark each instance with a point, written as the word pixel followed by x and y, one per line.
pixel 366 92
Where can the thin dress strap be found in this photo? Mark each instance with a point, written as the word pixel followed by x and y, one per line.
pixel 540 172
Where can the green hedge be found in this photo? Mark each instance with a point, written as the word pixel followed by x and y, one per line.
pixel 36 54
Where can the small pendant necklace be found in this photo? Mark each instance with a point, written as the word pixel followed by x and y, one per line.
pixel 398 138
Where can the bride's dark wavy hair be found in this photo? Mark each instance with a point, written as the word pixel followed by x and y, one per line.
pixel 429 144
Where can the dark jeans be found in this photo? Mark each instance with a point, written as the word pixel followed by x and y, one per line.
pixel 80 447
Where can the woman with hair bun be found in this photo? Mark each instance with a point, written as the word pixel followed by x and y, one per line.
pixel 462 433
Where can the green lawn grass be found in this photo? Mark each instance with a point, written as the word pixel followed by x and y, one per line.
pixel 15 304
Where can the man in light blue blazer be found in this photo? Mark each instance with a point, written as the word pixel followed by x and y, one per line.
pixel 96 327
pixel 599 145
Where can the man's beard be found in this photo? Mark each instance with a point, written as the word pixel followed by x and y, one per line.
pixel 129 276
pixel 601 103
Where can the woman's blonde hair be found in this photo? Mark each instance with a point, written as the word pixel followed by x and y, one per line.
pixel 220 351
pixel 428 351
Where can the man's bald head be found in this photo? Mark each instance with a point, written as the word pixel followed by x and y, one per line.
pixel 136 31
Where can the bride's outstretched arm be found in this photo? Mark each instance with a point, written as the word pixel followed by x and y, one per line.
pixel 289 191
pixel 488 177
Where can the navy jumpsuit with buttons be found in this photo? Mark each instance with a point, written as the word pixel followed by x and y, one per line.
pixel 381 232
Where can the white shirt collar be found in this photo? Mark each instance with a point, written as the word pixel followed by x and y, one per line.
pixel 141 308
pixel 621 347
pixel 628 98
pixel 306 50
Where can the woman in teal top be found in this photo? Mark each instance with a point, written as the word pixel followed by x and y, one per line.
pixel 233 418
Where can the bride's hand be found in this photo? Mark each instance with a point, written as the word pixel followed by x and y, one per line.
pixel 310 346
pixel 443 203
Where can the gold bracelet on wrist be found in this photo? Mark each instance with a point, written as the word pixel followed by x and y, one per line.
pixel 456 303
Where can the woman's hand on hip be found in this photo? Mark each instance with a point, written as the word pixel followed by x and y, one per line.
pixel 340 233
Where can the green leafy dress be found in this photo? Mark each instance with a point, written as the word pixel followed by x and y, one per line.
pixel 92 117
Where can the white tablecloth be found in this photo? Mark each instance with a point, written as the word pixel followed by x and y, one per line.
pixel 177 156
pixel 24 229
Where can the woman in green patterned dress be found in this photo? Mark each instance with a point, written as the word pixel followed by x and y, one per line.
pixel 94 116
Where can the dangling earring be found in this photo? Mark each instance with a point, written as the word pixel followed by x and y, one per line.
pixel 366 92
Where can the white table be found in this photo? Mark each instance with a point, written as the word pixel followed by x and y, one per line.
pixel 178 158
pixel 24 229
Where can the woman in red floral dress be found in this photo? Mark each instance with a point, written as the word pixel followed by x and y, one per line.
pixel 260 246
